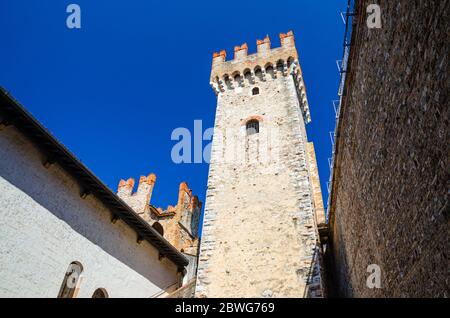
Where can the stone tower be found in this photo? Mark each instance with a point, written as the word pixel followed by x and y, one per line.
pixel 263 204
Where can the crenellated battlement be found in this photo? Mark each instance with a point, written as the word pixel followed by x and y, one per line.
pixel 140 199
pixel 263 50
pixel 185 196
pixel 266 64
pixel 179 223
pixel 263 57
pixel 126 186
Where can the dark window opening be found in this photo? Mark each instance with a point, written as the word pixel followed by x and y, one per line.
pixel 269 70
pixel 280 66
pixel 237 79
pixel 252 127
pixel 100 293
pixel 290 61
pixel 248 76
pixel 158 227
pixel 70 281
pixel 258 73
pixel 255 91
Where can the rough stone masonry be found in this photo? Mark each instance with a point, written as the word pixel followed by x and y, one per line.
pixel 389 200
pixel 260 236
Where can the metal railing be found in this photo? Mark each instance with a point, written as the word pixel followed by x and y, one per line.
pixel 347 18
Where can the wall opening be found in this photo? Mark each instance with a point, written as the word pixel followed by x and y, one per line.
pixel 159 228
pixel 290 60
pixel 252 127
pixel 280 66
pixel 70 281
pixel 227 81
pixel 248 75
pixel 269 70
pixel 237 79
pixel 100 293
pixel 255 91
pixel 258 73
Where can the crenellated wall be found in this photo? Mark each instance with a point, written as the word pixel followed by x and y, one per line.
pixel 179 223
pixel 139 200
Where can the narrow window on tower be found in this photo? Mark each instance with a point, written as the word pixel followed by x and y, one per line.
pixel 248 76
pixel 252 127
pixel 269 70
pixel 290 61
pixel 255 91
pixel 280 66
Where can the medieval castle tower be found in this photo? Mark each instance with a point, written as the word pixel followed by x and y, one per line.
pixel 264 206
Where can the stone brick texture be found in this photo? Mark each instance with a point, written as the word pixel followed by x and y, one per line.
pixel 315 183
pixel 389 203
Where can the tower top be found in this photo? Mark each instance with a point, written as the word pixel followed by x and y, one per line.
pixel 247 70
pixel 264 56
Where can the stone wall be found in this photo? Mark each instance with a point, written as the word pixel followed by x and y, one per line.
pixel 389 202
pixel 45 225
pixel 315 184
pixel 179 222
pixel 259 235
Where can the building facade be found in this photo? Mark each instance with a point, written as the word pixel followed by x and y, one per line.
pixel 63 233
pixel 389 200
pixel 263 205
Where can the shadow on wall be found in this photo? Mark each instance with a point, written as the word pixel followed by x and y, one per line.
pixel 336 262
pixel 56 191
pixel 314 285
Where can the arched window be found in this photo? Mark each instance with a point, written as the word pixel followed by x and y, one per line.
pixel 255 91
pixel 237 79
pixel 280 65
pixel 227 81
pixel 258 73
pixel 100 293
pixel 70 281
pixel 158 227
pixel 269 70
pixel 248 75
pixel 290 61
pixel 252 127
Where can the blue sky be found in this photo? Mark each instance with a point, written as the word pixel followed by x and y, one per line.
pixel 114 90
